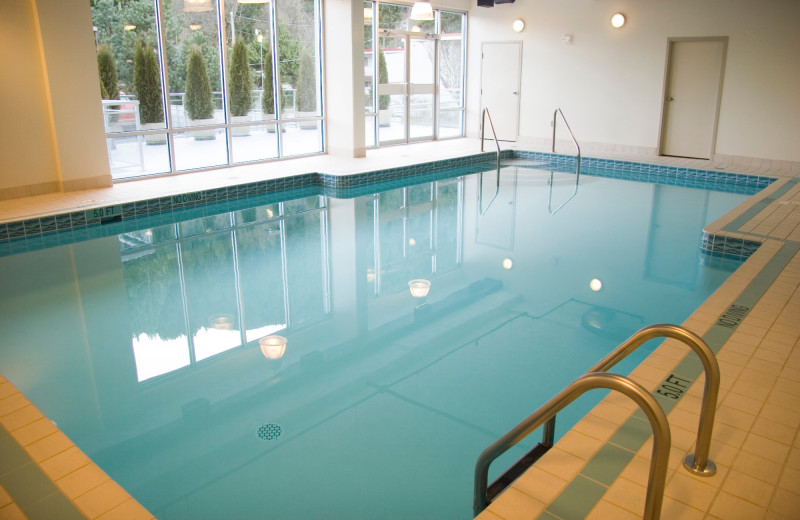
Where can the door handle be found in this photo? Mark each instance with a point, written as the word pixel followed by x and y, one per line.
pixel 515 93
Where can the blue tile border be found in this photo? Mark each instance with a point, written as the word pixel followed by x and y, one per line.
pixel 33 234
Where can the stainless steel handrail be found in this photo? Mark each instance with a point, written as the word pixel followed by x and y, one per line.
pixel 481 209
pixel 658 421
pixel 698 462
pixel 550 199
pixel 494 134
pixel 578 167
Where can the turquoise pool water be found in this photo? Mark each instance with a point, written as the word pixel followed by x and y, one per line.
pixel 143 347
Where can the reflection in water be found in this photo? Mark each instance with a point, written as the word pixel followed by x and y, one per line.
pixel 223 281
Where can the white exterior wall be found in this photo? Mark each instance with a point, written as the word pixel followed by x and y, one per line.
pixel 609 82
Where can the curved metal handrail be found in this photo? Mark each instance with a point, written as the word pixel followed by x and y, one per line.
pixel 578 167
pixel 698 462
pixel 494 134
pixel 481 209
pixel 658 421
pixel 550 199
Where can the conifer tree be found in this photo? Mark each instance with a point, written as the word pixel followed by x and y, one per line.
pixel 147 84
pixel 306 84
pixel 268 97
pixel 241 84
pixel 109 85
pixel 198 101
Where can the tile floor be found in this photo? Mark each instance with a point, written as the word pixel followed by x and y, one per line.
pixel 598 470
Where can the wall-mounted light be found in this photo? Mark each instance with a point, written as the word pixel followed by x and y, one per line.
pixel 273 347
pixel 422 10
pixel 518 25
pixel 617 20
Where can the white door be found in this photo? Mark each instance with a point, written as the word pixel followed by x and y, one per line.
pixel 691 101
pixel 500 81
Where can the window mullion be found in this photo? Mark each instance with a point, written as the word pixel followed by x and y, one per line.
pixel 223 77
pixel 162 45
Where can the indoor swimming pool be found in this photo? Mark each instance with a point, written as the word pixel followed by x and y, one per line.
pixel 143 345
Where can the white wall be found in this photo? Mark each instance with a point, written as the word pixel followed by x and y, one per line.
pixel 52 132
pixel 27 152
pixel 70 58
pixel 609 82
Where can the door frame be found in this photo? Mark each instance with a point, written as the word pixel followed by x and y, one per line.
pixel 407 89
pixel 518 87
pixel 664 94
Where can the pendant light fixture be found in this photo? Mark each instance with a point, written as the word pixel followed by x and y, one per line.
pixel 422 10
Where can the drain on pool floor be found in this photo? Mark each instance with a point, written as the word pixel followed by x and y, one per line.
pixel 269 432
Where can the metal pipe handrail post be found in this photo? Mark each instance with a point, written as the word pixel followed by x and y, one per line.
pixel 698 463
pixel 494 135
pixel 655 415
pixel 578 164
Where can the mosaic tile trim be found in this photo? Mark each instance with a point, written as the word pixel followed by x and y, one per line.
pixel 84 220
pixel 652 173
pixel 53 230
pixel 729 247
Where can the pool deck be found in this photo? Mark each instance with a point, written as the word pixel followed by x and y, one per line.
pixel 599 469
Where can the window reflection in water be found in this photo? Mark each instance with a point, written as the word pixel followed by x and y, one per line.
pixel 208 285
pixel 417 233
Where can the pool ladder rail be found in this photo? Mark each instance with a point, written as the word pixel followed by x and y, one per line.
pixel 598 377
pixel 484 116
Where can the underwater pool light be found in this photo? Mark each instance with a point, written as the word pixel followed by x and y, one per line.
pixel 419 288
pixel 273 347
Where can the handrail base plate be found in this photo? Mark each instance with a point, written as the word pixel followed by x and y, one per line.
pixel 709 471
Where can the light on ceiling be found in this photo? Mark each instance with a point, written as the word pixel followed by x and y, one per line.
pixel 273 347
pixel 618 20
pixel 595 284
pixel 419 288
pixel 508 263
pixel 518 25
pixel 422 10
pixel 196 6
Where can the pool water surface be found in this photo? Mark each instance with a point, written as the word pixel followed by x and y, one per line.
pixel 144 347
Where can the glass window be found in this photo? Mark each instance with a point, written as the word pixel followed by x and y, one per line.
pixel 451 75
pixel 170 77
pixel 404 61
